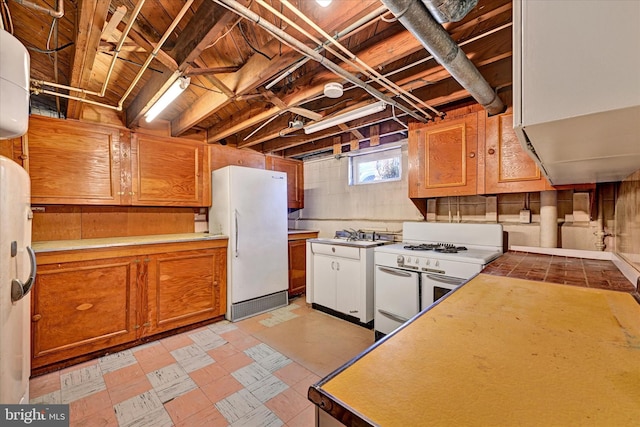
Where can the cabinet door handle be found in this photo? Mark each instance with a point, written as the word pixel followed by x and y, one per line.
pixel 446 279
pixel 392 316
pixel 491 151
pixel 472 154
pixel 395 272
pixel 333 265
pixel 337 266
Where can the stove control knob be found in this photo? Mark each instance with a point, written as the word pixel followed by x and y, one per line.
pixel 428 263
pixel 408 260
pixel 400 260
pixel 437 263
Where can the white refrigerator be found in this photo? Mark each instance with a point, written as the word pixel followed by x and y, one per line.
pixel 17 275
pixel 250 206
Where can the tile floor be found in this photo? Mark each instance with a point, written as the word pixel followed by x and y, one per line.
pixel 590 273
pixel 255 372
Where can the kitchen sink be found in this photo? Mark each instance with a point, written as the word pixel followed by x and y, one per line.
pixel 352 243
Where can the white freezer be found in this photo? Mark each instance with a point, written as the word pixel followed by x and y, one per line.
pixel 250 206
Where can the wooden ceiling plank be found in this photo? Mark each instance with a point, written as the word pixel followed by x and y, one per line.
pixel 111 26
pixel 374 135
pixel 337 145
pixel 256 71
pixel 207 23
pixel 390 50
pixel 91 18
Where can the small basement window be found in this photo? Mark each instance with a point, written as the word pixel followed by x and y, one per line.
pixel 377 166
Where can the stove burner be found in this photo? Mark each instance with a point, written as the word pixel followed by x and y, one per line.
pixel 448 248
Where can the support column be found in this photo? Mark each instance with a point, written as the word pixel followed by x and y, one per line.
pixel 549 219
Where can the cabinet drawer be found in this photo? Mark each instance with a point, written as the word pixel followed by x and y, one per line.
pixel 335 250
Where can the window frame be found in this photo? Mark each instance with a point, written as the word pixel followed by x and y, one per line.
pixel 383 153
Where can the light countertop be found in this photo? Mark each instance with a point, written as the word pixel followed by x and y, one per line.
pixel 66 245
pixel 499 351
pixel 291 231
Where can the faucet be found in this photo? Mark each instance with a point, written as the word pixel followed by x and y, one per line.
pixel 352 234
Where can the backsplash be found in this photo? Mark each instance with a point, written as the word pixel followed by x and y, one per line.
pixel 628 220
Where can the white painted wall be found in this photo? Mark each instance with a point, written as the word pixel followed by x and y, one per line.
pixel 332 204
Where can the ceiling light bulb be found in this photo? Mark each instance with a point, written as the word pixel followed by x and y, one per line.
pixel 323 3
pixel 167 98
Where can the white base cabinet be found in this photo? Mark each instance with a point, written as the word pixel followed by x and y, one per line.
pixel 341 278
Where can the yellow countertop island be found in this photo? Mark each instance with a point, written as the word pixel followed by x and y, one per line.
pixel 498 352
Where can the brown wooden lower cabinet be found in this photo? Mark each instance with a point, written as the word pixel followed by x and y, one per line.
pixel 298 262
pixel 86 301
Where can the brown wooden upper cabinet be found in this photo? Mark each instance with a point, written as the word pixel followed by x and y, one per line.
pixel 168 172
pixel 221 156
pixel 77 163
pixel 507 168
pixel 443 158
pixel 295 179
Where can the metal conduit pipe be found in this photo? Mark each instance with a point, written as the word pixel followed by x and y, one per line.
pixel 416 18
pixel 356 62
pixel 355 26
pixel 125 33
pixel 305 50
pixel 153 54
pixel 361 66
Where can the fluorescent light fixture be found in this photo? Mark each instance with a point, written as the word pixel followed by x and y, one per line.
pixel 323 3
pixel 167 98
pixel 376 107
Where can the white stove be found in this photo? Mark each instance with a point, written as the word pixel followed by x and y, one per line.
pixel 432 260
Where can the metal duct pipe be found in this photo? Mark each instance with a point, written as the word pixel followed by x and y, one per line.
pixel 417 19
pixel 449 10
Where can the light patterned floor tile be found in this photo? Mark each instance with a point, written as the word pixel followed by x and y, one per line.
pixel 250 374
pixel 259 381
pixel 145 409
pixel 52 398
pixel 259 417
pixel 267 388
pixel 170 382
pixel 222 327
pixel 238 405
pixel 116 361
pixel 192 357
pixel 81 383
pixel 267 357
pixel 207 339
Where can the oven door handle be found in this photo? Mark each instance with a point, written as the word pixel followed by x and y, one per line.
pixel 392 316
pixel 446 279
pixel 394 272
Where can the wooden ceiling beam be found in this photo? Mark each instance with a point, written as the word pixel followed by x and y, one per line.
pixel 389 132
pixel 447 91
pixel 92 16
pixel 207 23
pixel 385 52
pixel 255 72
pixel 388 50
